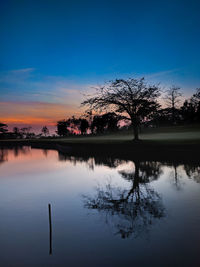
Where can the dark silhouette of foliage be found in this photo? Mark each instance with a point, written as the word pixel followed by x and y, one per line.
pixel 16 132
pixel 172 99
pixel 84 125
pixel 111 120
pixel 190 110
pixel 3 129
pixel 45 131
pixel 98 124
pixel 62 128
pixel 161 117
pixel 107 122
pixel 132 97
pixel 196 102
pixel 26 132
pixel 73 125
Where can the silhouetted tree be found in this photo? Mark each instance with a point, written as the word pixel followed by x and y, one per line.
pixel 3 129
pixel 98 124
pixel 89 116
pixel 111 120
pixel 132 97
pixel 172 99
pixel 196 102
pixel 16 132
pixel 62 128
pixel 45 131
pixel 106 122
pixel 73 125
pixel 84 125
pixel 25 131
pixel 161 117
pixel 188 111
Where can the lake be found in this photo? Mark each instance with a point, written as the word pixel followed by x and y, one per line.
pixel 104 211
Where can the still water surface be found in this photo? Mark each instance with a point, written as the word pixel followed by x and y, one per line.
pixel 105 212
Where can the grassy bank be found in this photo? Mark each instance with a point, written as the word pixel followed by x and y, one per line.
pixel 174 135
pixel 163 143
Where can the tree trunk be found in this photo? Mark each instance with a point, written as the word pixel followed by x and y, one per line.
pixel 135 132
pixel 173 115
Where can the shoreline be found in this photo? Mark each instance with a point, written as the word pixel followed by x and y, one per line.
pixel 141 150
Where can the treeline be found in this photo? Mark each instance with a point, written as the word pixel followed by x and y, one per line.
pixel 131 103
pixel 89 124
pixel 173 113
pixel 21 133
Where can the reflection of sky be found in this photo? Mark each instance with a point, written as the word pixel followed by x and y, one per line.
pixel 35 178
pixel 51 53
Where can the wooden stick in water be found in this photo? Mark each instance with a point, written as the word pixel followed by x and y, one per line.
pixel 50 230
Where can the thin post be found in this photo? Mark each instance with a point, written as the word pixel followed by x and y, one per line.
pixel 50 230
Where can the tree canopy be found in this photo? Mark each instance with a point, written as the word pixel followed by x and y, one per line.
pixel 132 97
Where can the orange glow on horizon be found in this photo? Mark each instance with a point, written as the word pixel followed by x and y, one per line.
pixel 27 120
pixel 39 113
pixel 36 113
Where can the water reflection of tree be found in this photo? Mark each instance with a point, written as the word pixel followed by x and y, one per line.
pixel 24 150
pixel 91 161
pixel 16 150
pixel 3 155
pixel 45 152
pixel 176 178
pixel 130 211
pixel 193 172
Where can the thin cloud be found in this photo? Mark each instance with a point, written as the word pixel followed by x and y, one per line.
pixel 162 73
pixel 19 71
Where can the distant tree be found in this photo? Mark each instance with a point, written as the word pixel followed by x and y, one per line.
pixel 98 124
pixel 196 97
pixel 25 131
pixel 62 129
pixel 132 97
pixel 190 110
pixel 172 98
pixel 196 102
pixel 16 132
pixel 106 122
pixel 30 135
pixel 161 117
pixel 84 125
pixel 111 120
pixel 77 125
pixel 45 130
pixel 90 116
pixel 74 124
pixel 3 129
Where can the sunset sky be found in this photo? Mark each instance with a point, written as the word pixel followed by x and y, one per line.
pixel 52 52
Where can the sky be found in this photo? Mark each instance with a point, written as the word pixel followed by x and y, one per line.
pixel 52 52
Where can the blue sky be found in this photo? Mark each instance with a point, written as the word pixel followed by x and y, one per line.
pixel 49 48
